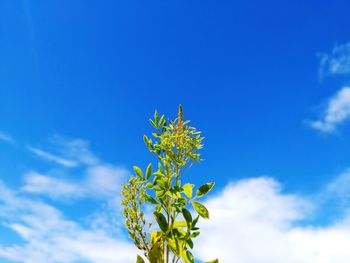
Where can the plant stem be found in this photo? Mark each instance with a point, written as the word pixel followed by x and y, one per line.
pixel 167 254
pixel 167 246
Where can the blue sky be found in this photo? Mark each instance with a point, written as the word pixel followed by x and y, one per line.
pixel 266 81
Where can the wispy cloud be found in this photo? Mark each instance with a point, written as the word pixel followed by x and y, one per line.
pixel 67 152
pixel 339 189
pixel 335 113
pixel 253 221
pixel 97 178
pixel 76 149
pixel 6 138
pixel 335 63
pixel 53 158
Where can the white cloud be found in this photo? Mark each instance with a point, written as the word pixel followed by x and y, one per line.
pixel 40 184
pixel 105 180
pixel 53 158
pixel 337 111
pixel 337 62
pixel 339 189
pixel 69 153
pixel 99 181
pixel 6 138
pixel 253 222
pixel 95 178
pixel 76 149
pixel 49 237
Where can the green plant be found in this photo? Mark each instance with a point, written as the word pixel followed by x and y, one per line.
pixel 176 147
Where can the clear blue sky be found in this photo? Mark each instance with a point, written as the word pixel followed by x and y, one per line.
pixel 246 73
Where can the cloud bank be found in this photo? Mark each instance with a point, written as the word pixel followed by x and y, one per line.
pixel 252 220
pixel 48 233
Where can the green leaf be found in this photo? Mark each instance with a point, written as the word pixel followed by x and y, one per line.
pixel 201 209
pixel 156 116
pixel 204 189
pixel 189 243
pixel 176 245
pixel 152 123
pixel 195 222
pixel 159 174
pixel 161 120
pixel 149 185
pixel 157 188
pixel 185 256
pixel 139 259
pixel 151 200
pixel 161 220
pixel 160 193
pixel 190 256
pixel 195 234
pixel 148 171
pixel 138 171
pixel 145 139
pixel 213 261
pixel 188 189
pixel 187 215
pixel 160 167
pixel 163 182
pixel 158 208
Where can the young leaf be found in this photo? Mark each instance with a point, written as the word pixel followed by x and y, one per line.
pixel 201 209
pixel 139 259
pixel 180 224
pixel 188 189
pixel 148 171
pixel 159 174
pixel 156 117
pixel 152 123
pixel 161 120
pixel 145 139
pixel 161 220
pixel 204 189
pixel 138 171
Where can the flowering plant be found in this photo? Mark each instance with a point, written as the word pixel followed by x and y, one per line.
pixel 176 146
